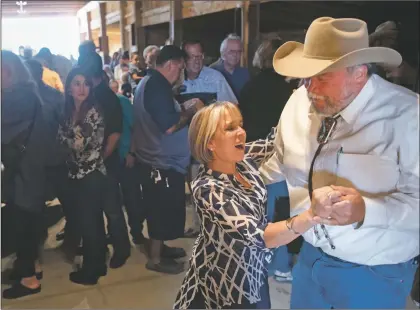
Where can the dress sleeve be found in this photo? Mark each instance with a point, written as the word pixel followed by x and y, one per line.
pixel 225 213
pixel 261 150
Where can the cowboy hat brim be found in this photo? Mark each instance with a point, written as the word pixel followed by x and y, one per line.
pixel 289 60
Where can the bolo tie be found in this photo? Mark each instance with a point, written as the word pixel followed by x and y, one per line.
pixel 328 126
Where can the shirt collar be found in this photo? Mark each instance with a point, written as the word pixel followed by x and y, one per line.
pixel 351 112
pixel 221 66
pixel 218 175
pixel 200 75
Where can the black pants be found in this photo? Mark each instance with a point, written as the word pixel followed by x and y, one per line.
pixel 265 303
pixel 415 292
pixel 164 201
pixel 57 177
pixel 131 188
pixel 112 207
pixel 89 199
pixel 28 231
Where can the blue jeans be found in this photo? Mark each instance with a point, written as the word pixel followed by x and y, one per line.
pixel 321 281
pixel 282 259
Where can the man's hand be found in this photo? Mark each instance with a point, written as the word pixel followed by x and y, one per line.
pixel 130 161
pixel 350 209
pixel 322 200
pixel 195 103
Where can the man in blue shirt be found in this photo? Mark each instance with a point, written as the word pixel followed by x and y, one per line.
pixel 229 63
pixel 201 79
pixel 160 145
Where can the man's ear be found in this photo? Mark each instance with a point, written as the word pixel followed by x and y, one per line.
pixel 168 65
pixel 360 73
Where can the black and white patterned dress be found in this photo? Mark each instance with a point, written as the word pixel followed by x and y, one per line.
pixel 229 259
pixel 85 142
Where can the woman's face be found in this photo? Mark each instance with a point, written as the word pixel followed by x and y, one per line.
pixel 228 143
pixel 79 88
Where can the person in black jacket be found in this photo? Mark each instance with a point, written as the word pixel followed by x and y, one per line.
pixel 56 170
pixel 23 152
pixel 261 102
pixel 263 98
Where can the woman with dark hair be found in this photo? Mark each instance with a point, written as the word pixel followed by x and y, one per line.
pixel 23 180
pixel 82 131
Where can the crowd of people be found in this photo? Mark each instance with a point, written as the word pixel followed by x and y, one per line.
pixel 337 175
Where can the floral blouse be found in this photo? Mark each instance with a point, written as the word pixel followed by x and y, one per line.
pixel 229 257
pixel 85 142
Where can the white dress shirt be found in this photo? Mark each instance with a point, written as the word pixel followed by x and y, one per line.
pixel 118 74
pixel 211 81
pixel 374 149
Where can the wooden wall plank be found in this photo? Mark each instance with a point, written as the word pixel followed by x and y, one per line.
pixel 112 6
pixel 197 8
pixel 129 13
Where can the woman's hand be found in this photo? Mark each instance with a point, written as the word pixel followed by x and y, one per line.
pixel 322 200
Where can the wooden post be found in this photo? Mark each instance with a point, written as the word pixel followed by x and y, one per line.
pixel 245 32
pixel 129 38
pixel 123 24
pixel 89 28
pixel 175 22
pixel 140 34
pixel 103 38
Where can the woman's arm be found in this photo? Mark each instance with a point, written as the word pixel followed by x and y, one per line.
pixel 277 234
pixel 261 150
pixel 225 212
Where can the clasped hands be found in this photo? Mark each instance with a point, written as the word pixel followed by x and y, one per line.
pixel 337 205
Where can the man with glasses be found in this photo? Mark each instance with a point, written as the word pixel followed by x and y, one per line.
pixel 229 63
pixel 201 79
pixel 348 144
pixel 207 84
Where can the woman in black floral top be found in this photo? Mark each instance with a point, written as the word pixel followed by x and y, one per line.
pixel 228 264
pixel 82 131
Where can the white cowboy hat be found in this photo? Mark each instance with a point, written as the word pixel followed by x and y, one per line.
pixel 331 44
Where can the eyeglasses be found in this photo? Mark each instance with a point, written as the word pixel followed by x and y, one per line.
pixel 324 135
pixel 234 52
pixel 196 57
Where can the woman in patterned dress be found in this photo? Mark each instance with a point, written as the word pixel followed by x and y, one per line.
pixel 228 264
pixel 82 132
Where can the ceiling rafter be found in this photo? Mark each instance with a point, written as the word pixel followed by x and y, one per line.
pixel 39 8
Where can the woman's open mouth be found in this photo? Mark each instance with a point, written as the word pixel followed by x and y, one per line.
pixel 240 146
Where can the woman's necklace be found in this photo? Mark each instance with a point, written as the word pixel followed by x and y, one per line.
pixel 242 180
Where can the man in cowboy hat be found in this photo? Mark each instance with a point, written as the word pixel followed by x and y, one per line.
pixel 349 140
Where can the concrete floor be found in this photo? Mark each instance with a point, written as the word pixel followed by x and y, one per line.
pixel 131 286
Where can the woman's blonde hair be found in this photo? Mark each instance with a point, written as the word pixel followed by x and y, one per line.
pixel 204 126
pixel 263 57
